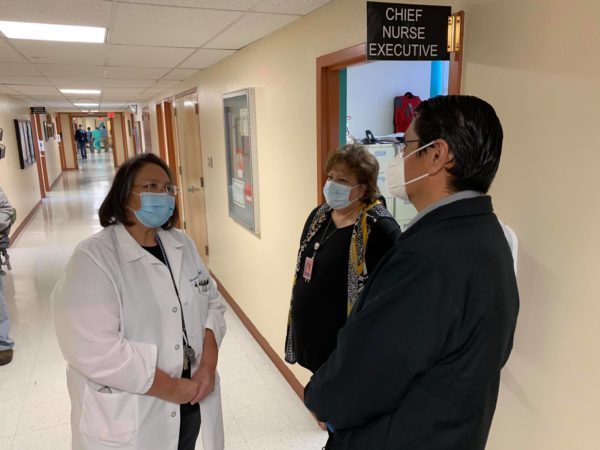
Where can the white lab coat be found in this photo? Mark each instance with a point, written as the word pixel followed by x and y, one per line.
pixel 117 319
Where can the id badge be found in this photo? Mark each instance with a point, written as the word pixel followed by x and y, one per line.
pixel 308 267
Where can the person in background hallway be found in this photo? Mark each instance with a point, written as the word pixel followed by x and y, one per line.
pixel 90 140
pixel 97 134
pixel 342 242
pixel 139 321
pixel 417 365
pixel 7 218
pixel 81 139
pixel 104 137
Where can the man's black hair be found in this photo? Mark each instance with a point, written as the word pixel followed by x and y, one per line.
pixel 474 135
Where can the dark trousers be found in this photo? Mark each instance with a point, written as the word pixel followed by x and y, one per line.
pixel 189 430
pixel 82 149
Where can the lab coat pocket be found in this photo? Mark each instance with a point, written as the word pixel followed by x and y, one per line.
pixel 109 417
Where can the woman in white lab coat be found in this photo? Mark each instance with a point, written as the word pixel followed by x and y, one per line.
pixel 139 321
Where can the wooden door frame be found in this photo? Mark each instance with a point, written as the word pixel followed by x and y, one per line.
pixel 124 137
pixel 40 133
pixel 160 126
pixel 61 144
pixel 172 160
pixel 328 96
pixel 112 138
pixel 36 149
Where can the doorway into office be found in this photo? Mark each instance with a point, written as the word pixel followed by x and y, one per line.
pixel 345 79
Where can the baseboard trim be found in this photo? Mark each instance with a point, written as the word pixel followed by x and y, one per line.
pixel 23 224
pixel 264 344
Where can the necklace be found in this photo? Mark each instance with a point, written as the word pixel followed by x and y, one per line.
pixel 309 261
pixel 317 245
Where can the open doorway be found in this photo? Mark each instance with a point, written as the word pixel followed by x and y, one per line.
pixel 345 79
pixel 379 98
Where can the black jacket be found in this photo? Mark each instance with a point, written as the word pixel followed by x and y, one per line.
pixel 417 366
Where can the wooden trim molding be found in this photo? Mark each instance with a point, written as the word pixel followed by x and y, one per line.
pixel 184 93
pixel 38 159
pixel 73 147
pixel 328 104
pixel 23 224
pixel 264 344
pixel 455 66
pixel 160 128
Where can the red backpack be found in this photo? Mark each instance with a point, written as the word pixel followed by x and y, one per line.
pixel 404 111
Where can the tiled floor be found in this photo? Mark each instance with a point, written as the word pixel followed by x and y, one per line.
pixel 261 410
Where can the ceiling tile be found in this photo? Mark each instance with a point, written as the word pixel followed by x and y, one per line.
pixel 142 73
pixel 7 90
pixel 301 7
pixel 36 90
pixel 236 5
pixel 122 91
pixel 18 69
pixel 23 80
pixel 204 58
pixel 141 56
pixel 180 74
pixel 248 29
pixel 167 26
pixel 76 83
pixel 64 12
pixel 164 83
pixel 71 71
pixel 46 52
pixel 8 54
pixel 117 82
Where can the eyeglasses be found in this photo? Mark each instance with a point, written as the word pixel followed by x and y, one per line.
pixel 401 146
pixel 157 188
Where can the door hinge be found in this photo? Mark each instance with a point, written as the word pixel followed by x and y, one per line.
pixel 180 171
pixel 184 225
pixel 197 109
pixel 175 111
pixel 201 182
pixel 206 249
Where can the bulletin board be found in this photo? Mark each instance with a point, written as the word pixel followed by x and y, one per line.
pixel 25 142
pixel 241 153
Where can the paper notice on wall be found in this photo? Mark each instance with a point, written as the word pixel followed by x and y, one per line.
pixel 41 146
pixel 244 122
pixel 237 193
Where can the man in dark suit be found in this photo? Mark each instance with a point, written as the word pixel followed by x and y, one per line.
pixel 81 139
pixel 417 366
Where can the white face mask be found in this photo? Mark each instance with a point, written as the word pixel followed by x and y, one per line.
pixel 394 175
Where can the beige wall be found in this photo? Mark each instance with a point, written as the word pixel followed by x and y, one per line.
pixel 67 136
pixel 52 155
pixel 22 187
pixel 538 64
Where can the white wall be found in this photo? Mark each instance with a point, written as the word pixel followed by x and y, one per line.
pixel 372 88
pixel 537 63
pixel 53 166
pixel 21 186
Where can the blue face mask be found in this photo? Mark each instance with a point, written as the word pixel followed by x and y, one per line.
pixel 337 195
pixel 156 209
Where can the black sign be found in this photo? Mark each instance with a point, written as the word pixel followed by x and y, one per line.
pixel 398 31
pixel 37 110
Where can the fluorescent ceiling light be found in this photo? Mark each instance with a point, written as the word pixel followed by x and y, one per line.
pixel 93 110
pixel 86 105
pixel 81 91
pixel 51 32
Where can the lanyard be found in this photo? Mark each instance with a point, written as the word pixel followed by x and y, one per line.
pixel 188 351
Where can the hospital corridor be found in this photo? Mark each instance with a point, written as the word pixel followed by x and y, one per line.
pixel 260 409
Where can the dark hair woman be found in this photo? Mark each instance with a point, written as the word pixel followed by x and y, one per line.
pixel 139 321
pixel 342 241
